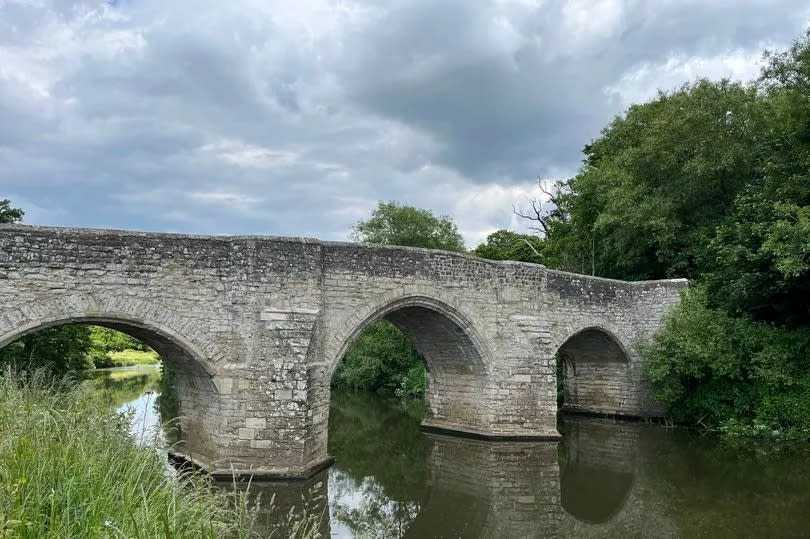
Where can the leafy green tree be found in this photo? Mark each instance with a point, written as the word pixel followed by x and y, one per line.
pixel 507 245
pixel 761 252
pixel 395 224
pixel 654 184
pixel 61 349
pixel 761 263
pixel 382 359
pixel 9 214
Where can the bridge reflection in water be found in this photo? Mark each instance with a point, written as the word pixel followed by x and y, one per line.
pixel 391 482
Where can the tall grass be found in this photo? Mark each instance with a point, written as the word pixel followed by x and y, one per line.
pixel 70 468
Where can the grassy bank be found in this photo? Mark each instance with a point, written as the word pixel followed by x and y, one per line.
pixel 130 358
pixel 70 468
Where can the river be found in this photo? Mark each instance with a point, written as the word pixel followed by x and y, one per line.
pixel 604 479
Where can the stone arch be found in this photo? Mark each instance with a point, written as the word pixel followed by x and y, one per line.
pixel 178 340
pixel 151 323
pixel 594 343
pixel 597 370
pixel 456 356
pixel 406 312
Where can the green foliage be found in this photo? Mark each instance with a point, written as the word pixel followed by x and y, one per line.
pixel 70 468
pixel 382 359
pixel 722 371
pixel 60 349
pixel 394 224
pixel 132 358
pixel 9 214
pixel 112 340
pixel 761 264
pixel 111 348
pixel 507 245
pixel 655 182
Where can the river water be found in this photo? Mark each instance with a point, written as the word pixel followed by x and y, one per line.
pixel 605 479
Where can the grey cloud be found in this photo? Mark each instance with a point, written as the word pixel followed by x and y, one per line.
pixel 245 117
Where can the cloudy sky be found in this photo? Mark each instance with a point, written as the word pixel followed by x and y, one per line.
pixel 296 117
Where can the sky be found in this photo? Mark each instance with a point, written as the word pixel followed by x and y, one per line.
pixel 296 117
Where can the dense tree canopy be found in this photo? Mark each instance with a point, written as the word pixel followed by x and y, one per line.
pixel 652 186
pixel 395 224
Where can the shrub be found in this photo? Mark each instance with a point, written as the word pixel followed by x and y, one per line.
pixel 718 370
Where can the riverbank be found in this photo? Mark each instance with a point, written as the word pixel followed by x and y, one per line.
pixel 71 468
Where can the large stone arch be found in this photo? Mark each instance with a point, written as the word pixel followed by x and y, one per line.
pixel 456 355
pixel 179 342
pixel 109 310
pixel 388 307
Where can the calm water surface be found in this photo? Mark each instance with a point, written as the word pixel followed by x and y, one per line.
pixel 605 479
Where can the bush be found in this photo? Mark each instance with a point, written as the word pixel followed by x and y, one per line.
pixel 60 349
pixel 717 370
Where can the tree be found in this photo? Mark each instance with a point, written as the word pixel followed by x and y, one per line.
pixel 655 183
pixel 760 263
pixel 507 245
pixel 9 214
pixel 394 224
pixel 60 349
pixel 382 359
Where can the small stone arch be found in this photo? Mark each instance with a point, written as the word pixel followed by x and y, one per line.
pixel 595 343
pixel 597 369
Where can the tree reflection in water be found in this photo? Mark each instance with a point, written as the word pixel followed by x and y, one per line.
pixel 379 482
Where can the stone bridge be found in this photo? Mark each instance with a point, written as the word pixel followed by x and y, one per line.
pixel 255 326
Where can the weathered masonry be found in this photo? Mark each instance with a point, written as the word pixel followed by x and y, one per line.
pixel 255 327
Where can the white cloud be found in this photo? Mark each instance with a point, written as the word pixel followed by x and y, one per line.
pixel 247 155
